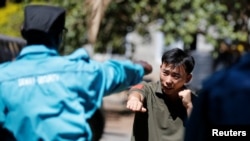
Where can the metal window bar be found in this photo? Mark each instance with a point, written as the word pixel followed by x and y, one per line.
pixel 10 47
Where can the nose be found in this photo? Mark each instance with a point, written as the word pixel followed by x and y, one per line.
pixel 169 81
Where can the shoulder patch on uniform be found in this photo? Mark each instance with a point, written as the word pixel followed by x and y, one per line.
pixel 138 86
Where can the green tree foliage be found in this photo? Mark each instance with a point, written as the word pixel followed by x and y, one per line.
pixel 10 19
pixel 176 19
pixel 238 14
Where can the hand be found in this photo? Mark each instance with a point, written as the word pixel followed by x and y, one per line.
pixel 135 105
pixel 147 67
pixel 185 96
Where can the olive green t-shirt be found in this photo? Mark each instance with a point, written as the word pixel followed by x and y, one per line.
pixel 163 121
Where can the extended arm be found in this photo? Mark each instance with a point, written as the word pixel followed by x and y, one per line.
pixel 120 75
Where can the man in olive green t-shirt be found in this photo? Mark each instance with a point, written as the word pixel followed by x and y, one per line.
pixel 162 107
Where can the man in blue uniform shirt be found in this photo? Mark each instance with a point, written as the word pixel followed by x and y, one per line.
pixel 44 96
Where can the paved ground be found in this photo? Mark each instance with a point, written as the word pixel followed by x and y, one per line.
pixel 119 120
pixel 118 127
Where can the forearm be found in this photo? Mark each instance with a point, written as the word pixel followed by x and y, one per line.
pixel 189 108
pixel 135 96
pixel 186 97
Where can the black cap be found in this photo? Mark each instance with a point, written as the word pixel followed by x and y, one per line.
pixel 43 18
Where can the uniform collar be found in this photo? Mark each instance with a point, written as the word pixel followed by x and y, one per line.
pixel 36 50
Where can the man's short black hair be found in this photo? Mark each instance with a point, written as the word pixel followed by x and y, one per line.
pixel 178 57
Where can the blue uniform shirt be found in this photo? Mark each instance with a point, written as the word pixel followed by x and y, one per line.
pixel 50 97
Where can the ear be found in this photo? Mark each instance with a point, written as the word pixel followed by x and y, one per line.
pixel 22 31
pixel 189 77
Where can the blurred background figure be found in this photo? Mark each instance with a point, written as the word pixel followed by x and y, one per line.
pixel 228 54
pixel 223 103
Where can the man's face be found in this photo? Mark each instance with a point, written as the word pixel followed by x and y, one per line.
pixel 173 78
